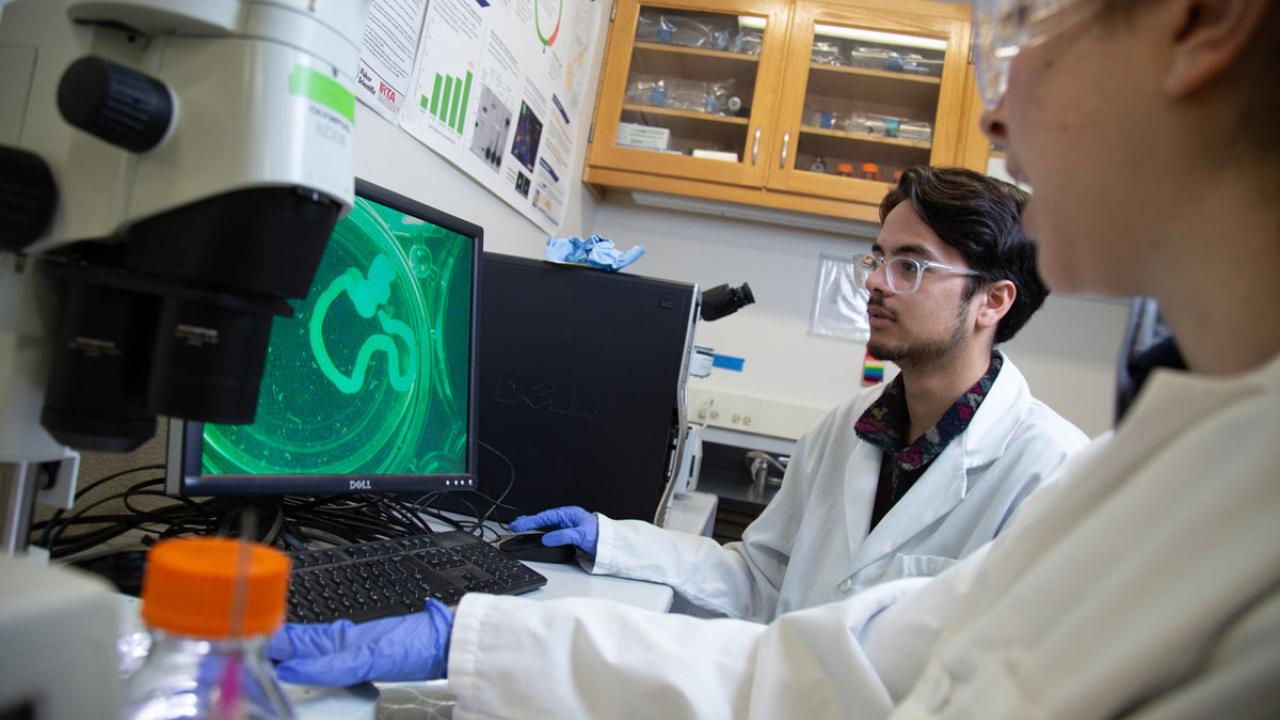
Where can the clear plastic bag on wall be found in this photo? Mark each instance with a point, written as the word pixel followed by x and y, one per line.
pixel 839 305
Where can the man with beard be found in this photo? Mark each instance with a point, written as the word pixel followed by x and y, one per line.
pixel 906 477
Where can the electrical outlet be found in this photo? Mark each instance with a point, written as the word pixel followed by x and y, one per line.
pixel 747 413
pixel 726 410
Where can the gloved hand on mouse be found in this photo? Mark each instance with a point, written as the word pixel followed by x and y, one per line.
pixel 566 525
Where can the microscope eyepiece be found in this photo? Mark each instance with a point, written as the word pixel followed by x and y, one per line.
pixel 723 300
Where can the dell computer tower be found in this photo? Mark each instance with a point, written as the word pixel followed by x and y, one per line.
pixel 581 386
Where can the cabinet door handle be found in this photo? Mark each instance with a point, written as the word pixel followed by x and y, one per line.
pixel 755 147
pixel 786 141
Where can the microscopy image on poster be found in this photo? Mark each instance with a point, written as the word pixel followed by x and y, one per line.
pixel 510 75
pixel 492 125
pixel 528 135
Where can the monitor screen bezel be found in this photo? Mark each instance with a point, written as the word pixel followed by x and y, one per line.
pixel 185 440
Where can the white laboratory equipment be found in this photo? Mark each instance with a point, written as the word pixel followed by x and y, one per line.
pixel 169 175
pixel 58 657
pixel 170 171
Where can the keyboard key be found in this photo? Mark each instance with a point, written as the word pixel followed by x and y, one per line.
pixel 395 577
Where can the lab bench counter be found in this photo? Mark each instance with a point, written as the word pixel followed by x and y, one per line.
pixel 431 699
pixel 689 512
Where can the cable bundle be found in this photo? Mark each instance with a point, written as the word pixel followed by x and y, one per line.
pixel 292 522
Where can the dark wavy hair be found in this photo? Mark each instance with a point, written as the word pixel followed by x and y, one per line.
pixel 979 217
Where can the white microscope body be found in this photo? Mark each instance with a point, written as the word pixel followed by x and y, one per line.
pixel 170 171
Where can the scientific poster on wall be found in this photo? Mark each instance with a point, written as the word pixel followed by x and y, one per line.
pixel 387 51
pixel 499 90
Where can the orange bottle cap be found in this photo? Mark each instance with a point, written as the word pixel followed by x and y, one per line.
pixel 189 587
pixel 870 168
pixel 844 168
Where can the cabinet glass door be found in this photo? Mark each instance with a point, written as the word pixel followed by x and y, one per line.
pixel 691 99
pixel 868 94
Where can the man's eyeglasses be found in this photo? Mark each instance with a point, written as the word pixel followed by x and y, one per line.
pixel 1003 28
pixel 901 272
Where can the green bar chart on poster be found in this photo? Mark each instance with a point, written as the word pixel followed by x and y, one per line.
pixel 448 101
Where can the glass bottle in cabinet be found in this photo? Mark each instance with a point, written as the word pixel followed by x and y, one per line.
pixel 870 101
pixel 870 89
pixel 806 105
pixel 688 103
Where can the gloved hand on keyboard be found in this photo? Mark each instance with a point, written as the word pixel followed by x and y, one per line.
pixel 568 525
pixel 409 647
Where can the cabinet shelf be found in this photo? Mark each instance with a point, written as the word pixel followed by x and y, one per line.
pixel 871 72
pixel 686 114
pixel 865 137
pixel 697 52
pixel 781 93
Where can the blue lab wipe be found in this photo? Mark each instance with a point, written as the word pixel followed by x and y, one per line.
pixel 595 251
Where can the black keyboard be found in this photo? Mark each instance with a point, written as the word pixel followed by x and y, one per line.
pixel 366 581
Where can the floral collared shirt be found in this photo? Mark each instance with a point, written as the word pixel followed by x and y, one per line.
pixel 886 423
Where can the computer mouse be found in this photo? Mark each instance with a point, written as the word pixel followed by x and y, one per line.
pixel 529 548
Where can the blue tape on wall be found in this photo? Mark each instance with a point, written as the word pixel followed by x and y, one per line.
pixel 728 362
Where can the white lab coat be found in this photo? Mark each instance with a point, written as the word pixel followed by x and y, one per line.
pixel 1143 582
pixel 810 546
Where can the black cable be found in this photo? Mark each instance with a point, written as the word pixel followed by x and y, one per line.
pixel 392 508
pixel 511 476
pixel 277 522
pixel 459 524
pixel 353 526
pixel 184 516
pixel 89 488
pixel 188 502
pixel 412 522
pixel 44 537
pixel 317 534
pixel 511 481
pixel 56 537
pixel 336 519
pixel 478 526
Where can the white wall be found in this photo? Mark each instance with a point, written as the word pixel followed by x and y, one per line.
pixel 390 157
pixel 1067 350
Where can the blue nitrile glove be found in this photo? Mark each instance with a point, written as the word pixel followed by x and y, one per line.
pixel 568 525
pixel 409 647
pixel 596 251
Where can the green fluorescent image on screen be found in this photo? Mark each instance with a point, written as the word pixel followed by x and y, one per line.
pixel 371 374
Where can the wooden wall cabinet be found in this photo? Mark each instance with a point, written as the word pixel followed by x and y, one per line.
pixel 792 104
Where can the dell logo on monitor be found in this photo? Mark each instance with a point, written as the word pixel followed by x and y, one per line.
pixel 361 485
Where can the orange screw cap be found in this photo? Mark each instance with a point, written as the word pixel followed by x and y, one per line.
pixel 189 587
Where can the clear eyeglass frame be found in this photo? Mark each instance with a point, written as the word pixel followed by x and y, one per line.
pixel 903 274
pixel 1004 28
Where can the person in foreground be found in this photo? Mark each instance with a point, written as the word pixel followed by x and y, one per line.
pixel 908 476
pixel 1142 582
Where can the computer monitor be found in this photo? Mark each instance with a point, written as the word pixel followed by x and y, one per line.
pixel 370 386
